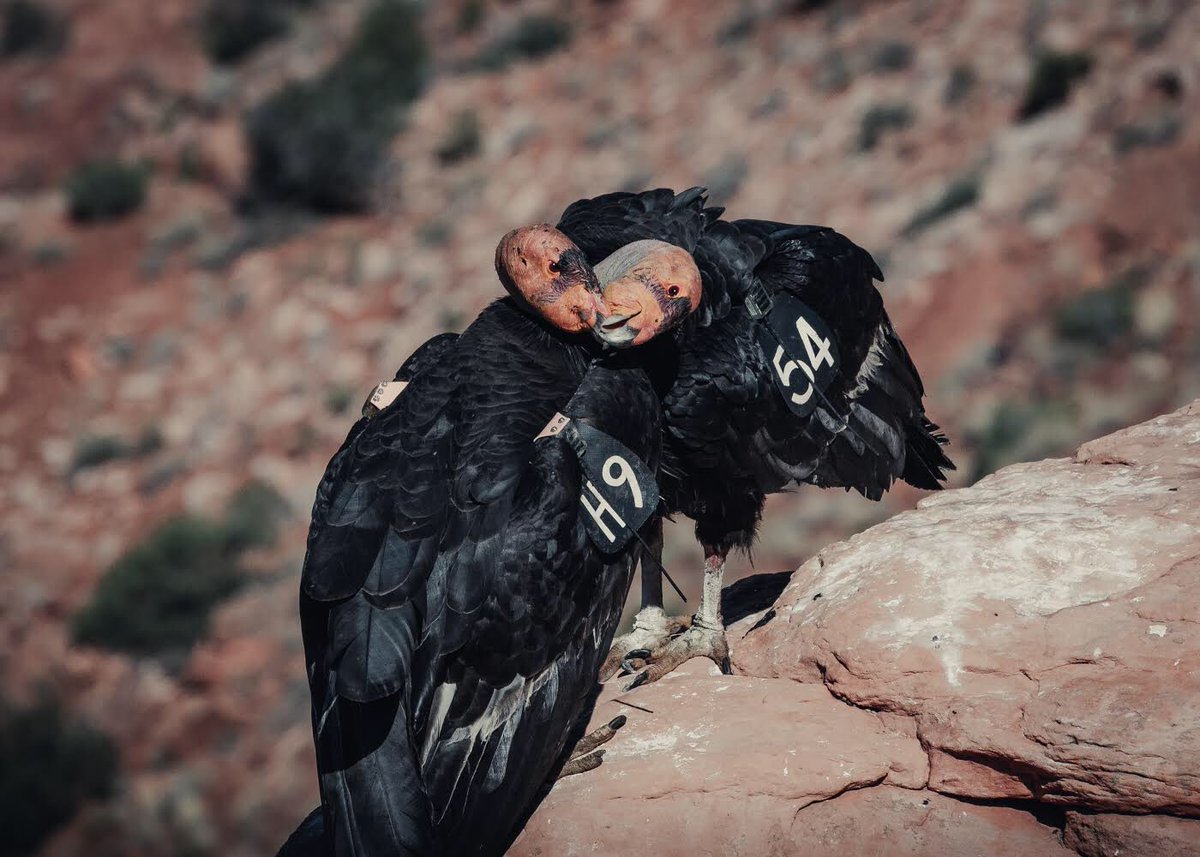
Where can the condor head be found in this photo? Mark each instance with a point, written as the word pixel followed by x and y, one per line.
pixel 545 272
pixel 650 287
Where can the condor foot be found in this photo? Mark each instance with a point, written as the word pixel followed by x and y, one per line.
pixel 587 754
pixel 652 630
pixel 698 641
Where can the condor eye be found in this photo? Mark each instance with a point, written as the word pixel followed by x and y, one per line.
pixel 555 267
pixel 673 291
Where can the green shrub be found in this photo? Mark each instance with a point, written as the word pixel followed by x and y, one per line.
pixel 49 765
pixel 95 450
pixel 1050 81
pixel 462 139
pixel 891 57
pixel 323 144
pixel 532 37
pixel 1025 431
pixel 961 193
pixel 1162 130
pixel 1098 317
pixel 959 85
pixel 470 16
pixel 106 190
pixel 30 28
pixel 253 516
pixel 231 29
pixel 339 398
pixel 879 120
pixel 833 74
pixel 157 598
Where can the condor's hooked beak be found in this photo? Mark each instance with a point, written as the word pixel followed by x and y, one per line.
pixel 615 329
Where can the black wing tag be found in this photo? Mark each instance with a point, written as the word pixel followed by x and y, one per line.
pixel 619 491
pixel 801 352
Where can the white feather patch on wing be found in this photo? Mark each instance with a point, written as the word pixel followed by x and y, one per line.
pixel 503 711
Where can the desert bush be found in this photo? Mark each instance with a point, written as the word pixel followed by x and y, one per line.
pixel 891 57
pixel 1098 317
pixel 532 37
pixel 30 28
pixel 959 85
pixel 49 765
pixel 106 189
pixel 1024 431
pixel 157 597
pixel 471 15
pixel 95 450
pixel 231 29
pixel 1162 130
pixel 961 193
pixel 1050 81
pixel 339 398
pixel 462 139
pixel 253 516
pixel 322 144
pixel 879 120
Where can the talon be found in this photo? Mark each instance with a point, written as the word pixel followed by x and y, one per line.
pixel 581 764
pixel 638 680
pixel 634 661
pixel 652 629
pixel 617 722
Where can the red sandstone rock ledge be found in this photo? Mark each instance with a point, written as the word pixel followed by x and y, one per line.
pixel 1009 669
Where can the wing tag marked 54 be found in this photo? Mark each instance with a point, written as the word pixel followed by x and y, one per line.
pixel 801 351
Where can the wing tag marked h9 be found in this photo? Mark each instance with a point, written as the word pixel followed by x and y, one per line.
pixel 619 491
pixel 801 351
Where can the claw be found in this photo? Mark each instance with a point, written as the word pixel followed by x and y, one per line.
pixel 588 754
pixel 651 631
pixel 697 641
pixel 629 663
pixel 582 764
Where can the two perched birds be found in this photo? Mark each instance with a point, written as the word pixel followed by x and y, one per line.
pixel 474 539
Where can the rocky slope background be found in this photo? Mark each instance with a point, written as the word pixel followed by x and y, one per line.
pixel 1009 669
pixel 219 228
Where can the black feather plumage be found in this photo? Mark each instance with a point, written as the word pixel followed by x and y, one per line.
pixel 730 439
pixel 454 612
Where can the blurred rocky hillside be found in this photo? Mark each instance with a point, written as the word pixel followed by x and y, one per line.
pixel 222 222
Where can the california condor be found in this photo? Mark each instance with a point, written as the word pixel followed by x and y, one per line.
pixel 454 612
pixel 797 377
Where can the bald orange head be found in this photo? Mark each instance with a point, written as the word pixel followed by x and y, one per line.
pixel 650 287
pixel 544 270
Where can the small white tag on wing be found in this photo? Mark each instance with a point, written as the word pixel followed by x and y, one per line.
pixel 557 423
pixel 384 394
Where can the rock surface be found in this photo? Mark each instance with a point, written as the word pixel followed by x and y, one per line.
pixel 1010 668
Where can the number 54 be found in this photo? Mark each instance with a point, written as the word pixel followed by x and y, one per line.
pixel 818 351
